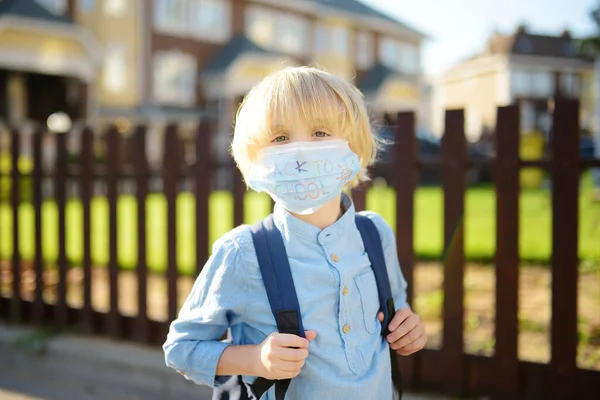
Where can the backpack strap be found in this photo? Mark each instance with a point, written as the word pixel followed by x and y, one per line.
pixel 279 284
pixel 373 247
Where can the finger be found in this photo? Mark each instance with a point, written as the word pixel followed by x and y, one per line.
pixel 288 354
pixel 288 340
pixel 310 335
pixel 380 316
pixel 291 367
pixel 399 317
pixel 406 326
pixel 409 338
pixel 413 347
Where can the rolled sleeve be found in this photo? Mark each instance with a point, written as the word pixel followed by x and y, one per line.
pixel 217 300
pixel 388 240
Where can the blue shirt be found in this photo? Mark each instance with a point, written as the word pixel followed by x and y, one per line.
pixel 337 292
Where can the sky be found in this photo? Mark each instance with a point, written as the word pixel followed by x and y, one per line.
pixel 457 29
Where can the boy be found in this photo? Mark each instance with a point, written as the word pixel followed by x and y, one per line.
pixel 301 135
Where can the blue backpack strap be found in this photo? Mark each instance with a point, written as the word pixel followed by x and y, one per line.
pixel 277 277
pixel 372 242
pixel 279 284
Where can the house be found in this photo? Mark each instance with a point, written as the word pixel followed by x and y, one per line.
pixel 159 61
pixel 524 68
pixel 232 44
pixel 48 62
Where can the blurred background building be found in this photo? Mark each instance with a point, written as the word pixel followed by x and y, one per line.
pixel 521 67
pixel 158 61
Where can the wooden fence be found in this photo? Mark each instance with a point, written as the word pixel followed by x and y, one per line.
pixel 449 370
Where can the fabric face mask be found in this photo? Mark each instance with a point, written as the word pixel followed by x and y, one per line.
pixel 304 176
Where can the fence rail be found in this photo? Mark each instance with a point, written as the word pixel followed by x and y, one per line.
pixel 448 369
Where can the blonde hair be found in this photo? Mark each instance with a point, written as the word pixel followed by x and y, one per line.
pixel 305 94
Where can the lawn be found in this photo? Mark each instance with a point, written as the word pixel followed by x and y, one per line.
pixel 535 225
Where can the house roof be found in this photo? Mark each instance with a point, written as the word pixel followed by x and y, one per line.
pixel 523 42
pixel 375 77
pixel 30 9
pixel 360 8
pixel 227 54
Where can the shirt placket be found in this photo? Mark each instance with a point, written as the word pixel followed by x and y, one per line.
pixel 346 295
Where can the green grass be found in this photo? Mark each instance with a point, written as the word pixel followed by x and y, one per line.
pixel 535 225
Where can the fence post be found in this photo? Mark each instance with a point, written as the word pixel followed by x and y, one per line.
pixel 141 174
pixel 565 215
pixel 454 172
pixel 507 250
pixel 239 189
pixel 404 182
pixel 38 305
pixel 61 204
pixel 203 177
pixel 86 179
pixel 112 160
pixel 3 303
pixel 359 196
pixel 15 303
pixel 171 164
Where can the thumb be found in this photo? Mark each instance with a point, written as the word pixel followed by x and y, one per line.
pixel 310 335
pixel 380 316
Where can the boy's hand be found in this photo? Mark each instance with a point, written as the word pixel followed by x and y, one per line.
pixel 282 356
pixel 407 334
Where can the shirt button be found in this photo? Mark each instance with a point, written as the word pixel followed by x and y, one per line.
pixel 346 328
pixel 345 291
pixel 335 258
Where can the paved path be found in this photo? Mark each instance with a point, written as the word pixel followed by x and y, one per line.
pixel 80 368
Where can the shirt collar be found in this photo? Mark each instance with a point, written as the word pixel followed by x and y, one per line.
pixel 291 226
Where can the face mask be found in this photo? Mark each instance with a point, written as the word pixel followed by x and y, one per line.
pixel 304 176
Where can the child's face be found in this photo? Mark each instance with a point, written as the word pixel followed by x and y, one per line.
pixel 301 132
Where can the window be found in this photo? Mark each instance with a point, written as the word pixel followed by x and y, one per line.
pixel 260 25
pixel 569 83
pixel 332 40
pixel 292 34
pixel 58 7
pixel 400 56
pixel 364 50
pixel 543 84
pixel 115 67
pixel 210 19
pixel 87 5
pixel 339 41
pixel 170 16
pixel 279 31
pixel 115 8
pixel 389 53
pixel 175 78
pixel 321 39
pixel 205 19
pixel 521 83
pixel 532 83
